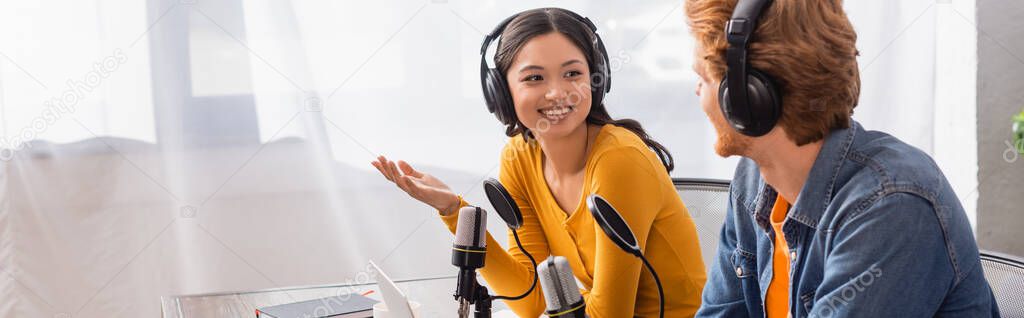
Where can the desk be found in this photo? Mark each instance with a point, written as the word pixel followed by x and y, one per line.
pixel 435 295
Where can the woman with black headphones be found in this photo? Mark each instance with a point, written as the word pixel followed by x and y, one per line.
pixel 547 86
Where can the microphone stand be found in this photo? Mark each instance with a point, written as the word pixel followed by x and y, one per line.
pixel 481 299
pixel 466 285
pixel 482 308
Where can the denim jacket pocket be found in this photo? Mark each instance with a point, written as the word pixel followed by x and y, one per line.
pixel 744 264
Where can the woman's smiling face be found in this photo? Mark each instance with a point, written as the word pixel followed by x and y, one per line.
pixel 549 79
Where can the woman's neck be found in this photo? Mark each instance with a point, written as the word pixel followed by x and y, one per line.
pixel 566 156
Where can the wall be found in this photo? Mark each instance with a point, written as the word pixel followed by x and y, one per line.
pixel 1000 95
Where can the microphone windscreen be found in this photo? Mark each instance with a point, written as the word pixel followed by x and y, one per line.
pixel 558 284
pixel 503 203
pixel 472 227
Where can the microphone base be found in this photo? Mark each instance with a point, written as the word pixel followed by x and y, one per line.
pixel 469 291
pixel 466 286
pixel 482 308
pixel 463 308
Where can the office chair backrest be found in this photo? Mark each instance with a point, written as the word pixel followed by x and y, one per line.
pixel 706 199
pixel 1005 274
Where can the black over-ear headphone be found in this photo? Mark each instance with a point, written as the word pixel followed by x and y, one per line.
pixel 749 99
pixel 495 87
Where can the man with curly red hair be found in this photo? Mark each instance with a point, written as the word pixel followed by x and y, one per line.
pixel 826 219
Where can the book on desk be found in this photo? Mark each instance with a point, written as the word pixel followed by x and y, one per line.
pixel 345 306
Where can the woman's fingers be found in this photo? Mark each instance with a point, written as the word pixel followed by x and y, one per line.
pixel 380 169
pixel 391 173
pixel 394 170
pixel 407 169
pixel 386 164
pixel 387 168
pixel 405 177
pixel 379 163
pixel 405 182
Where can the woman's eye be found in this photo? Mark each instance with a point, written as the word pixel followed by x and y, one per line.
pixel 533 78
pixel 571 74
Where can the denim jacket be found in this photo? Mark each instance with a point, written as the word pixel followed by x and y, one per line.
pixel 876 231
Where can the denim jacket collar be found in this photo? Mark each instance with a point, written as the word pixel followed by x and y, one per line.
pixel 817 191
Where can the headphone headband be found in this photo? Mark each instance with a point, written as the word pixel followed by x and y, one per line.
pixel 748 97
pixel 738 32
pixel 495 33
pixel 500 28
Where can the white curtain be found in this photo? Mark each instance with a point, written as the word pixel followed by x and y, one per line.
pixel 166 147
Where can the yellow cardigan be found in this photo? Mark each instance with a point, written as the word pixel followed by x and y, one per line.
pixel 630 176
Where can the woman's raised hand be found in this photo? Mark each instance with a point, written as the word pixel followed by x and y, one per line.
pixel 421 186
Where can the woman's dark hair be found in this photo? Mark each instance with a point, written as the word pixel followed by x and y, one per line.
pixel 532 23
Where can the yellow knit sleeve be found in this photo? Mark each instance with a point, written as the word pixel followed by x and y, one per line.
pixel 626 178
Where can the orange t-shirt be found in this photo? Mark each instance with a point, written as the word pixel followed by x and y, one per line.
pixel 777 299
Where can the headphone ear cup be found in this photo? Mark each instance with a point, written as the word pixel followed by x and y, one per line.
pixel 728 111
pixel 498 97
pixel 603 84
pixel 765 102
pixel 600 80
pixel 763 109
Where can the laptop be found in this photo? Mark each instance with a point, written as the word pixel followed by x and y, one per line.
pixel 394 299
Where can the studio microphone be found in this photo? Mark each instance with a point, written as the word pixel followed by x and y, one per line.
pixel 560 291
pixel 470 248
pixel 468 254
